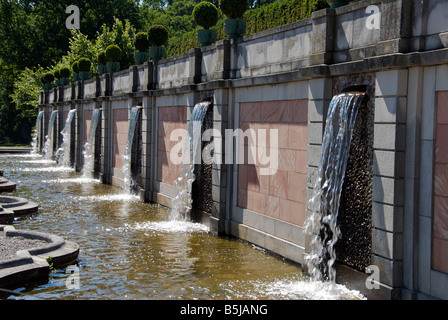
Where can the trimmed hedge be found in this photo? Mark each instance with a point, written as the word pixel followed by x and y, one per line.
pixel 280 13
pixel 263 18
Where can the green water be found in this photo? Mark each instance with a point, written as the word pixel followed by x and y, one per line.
pixel 130 249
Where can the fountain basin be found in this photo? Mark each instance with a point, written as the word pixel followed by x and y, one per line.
pixel 34 263
pixel 6 185
pixel 18 206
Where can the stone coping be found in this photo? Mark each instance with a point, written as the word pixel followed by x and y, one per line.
pixel 14 207
pixel 34 264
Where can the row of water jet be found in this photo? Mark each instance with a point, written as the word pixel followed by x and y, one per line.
pixel 89 146
pixel 49 138
pixel 35 142
pixel 63 155
pixel 127 156
pixel 182 202
pixel 322 225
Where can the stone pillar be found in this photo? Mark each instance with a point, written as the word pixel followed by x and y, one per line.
pixel 147 142
pixel 195 57
pixel 388 180
pixel 412 178
pixel 396 26
pixel 106 142
pixel 220 170
pixel 79 132
pixel 323 36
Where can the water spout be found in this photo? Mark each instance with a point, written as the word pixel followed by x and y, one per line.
pixel 89 146
pixel 182 202
pixel 36 141
pixel 128 180
pixel 49 138
pixel 321 225
pixel 63 154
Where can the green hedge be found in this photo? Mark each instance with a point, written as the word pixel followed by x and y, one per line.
pixel 263 18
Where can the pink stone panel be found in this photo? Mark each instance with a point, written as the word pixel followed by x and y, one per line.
pixel 87 121
pixel 440 199
pixel 119 136
pixel 282 194
pixel 442 110
pixel 170 119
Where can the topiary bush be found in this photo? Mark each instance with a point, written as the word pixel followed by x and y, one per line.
pixel 57 74
pixel 64 72
pixel 47 77
pixel 158 35
pixel 205 14
pixel 75 67
pixel 234 9
pixel 84 64
pixel 142 41
pixel 113 53
pixel 101 58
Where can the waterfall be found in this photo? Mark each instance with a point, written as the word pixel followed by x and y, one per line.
pixel 35 143
pixel 63 153
pixel 127 156
pixel 182 202
pixel 321 225
pixel 49 138
pixel 89 146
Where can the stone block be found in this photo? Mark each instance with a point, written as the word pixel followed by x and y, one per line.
pixel 388 190
pixel 387 217
pixel 391 83
pixel 387 244
pixel 390 137
pixel 390 109
pixel 389 163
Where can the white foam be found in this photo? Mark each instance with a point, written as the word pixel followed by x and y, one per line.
pixel 171 226
pixel 304 289
pixel 80 180
pixel 41 161
pixel 113 197
pixel 47 169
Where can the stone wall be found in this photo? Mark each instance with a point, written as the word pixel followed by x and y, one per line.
pixel 284 79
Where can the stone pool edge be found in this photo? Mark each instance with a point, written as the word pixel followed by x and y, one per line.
pixel 34 264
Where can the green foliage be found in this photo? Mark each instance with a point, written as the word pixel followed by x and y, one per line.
pixel 280 13
pixel 234 9
pixel 205 14
pixel 84 64
pixel 142 41
pixel 113 53
pixel 158 35
pixel 122 35
pixel 26 92
pixel 101 57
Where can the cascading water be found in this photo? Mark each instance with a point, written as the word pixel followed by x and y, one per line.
pixel 127 156
pixel 89 146
pixel 63 153
pixel 35 143
pixel 182 202
pixel 321 225
pixel 48 147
